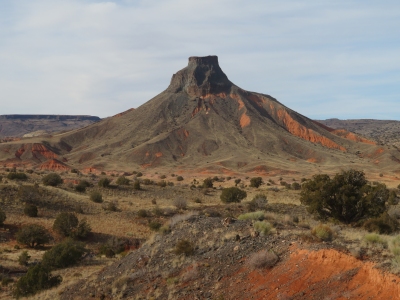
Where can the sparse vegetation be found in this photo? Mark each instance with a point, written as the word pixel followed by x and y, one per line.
pixel 68 225
pixel 136 185
pixel 232 194
pixel 207 183
pixel 64 254
pixel 258 215
pixel 52 179
pixel 122 180
pixel 179 178
pixel 259 202
pixel 104 182
pixel 180 203
pixel 384 224
pixel 23 258
pixel 375 240
pixel 3 217
pixel 17 176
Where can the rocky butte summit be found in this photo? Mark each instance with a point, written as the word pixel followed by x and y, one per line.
pixel 202 121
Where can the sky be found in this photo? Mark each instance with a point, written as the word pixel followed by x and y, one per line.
pixel 323 59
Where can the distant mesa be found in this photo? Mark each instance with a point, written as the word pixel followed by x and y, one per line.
pixel 203 121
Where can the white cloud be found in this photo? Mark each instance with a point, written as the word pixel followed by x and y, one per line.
pixel 101 58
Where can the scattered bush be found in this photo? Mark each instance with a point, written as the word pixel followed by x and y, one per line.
pixel 64 254
pixel 96 196
pixel 237 181
pixel 162 183
pixel 104 182
pixel 296 186
pixel 179 178
pixel 258 215
pixel 136 185
pixel 207 183
pixel 393 200
pixel 259 202
pixel 33 235
pixel 29 194
pixel 384 224
pixel 80 188
pixel 180 203
pixel 323 232
pixel 114 246
pixel 68 225
pixel 262 227
pixel 154 225
pixel 36 279
pixel 347 197
pixel 122 180
pixel 256 182
pixel 31 210
pixel 232 194
pixel 142 213
pixel 184 247
pixel 110 206
pixel 375 239
pixel 262 259
pixel 139 174
pixel 23 258
pixel 17 176
pixel 52 179
pixel 2 217
pixel 394 247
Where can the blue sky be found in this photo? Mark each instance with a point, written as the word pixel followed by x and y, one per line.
pixel 324 59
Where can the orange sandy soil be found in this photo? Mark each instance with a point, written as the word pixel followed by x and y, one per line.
pixel 323 274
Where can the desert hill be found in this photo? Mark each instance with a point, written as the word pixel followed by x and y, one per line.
pixel 203 121
pixel 385 132
pixel 34 125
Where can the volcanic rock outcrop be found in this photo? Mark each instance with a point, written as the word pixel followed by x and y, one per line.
pixel 203 120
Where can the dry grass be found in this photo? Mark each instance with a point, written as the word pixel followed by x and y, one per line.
pixel 262 259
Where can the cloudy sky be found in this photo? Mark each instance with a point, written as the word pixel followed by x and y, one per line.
pixel 323 59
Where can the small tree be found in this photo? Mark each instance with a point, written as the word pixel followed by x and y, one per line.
pixel 347 197
pixel 17 176
pixel 67 225
pixel 2 217
pixel 179 178
pixel 23 258
pixel 237 181
pixel 232 194
pixel 36 279
pixel 64 254
pixel 31 210
pixel 136 185
pixel 52 179
pixel 256 182
pixel 207 183
pixel 104 182
pixel 33 235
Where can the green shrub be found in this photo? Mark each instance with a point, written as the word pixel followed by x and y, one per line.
pixel 80 188
pixel 263 227
pixel 96 197
pixel 393 200
pixel 52 179
pixel 184 247
pixel 68 225
pixel 104 182
pixel 154 225
pixel 384 224
pixel 258 215
pixel 162 183
pixel 142 213
pixel 36 279
pixel 207 183
pixel 2 217
pixel 347 197
pixel 122 180
pixel 296 186
pixel 394 247
pixel 64 254
pixel 139 174
pixel 31 210
pixel 232 194
pixel 256 182
pixel 23 258
pixel 259 202
pixel 179 178
pixel 17 176
pixel 237 181
pixel 136 185
pixel 33 235
pixel 323 232
pixel 375 239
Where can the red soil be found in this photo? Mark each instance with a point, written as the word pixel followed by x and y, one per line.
pixel 323 274
pixel 54 165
